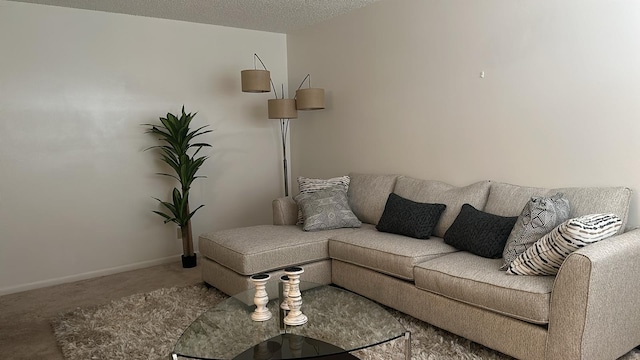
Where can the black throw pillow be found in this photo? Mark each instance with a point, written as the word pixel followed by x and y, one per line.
pixel 479 232
pixel 406 217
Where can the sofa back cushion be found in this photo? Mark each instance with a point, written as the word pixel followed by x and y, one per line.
pixel 368 195
pixel 437 192
pixel 509 200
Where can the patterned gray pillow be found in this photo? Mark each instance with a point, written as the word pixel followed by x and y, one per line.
pixel 326 209
pixel 538 217
pixel 309 185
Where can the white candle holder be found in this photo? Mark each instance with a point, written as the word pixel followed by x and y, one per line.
pixel 295 316
pixel 284 279
pixel 261 298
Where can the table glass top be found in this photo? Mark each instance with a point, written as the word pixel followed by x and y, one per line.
pixel 339 321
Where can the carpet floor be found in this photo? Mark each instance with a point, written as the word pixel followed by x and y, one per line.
pixel 25 317
pixel 146 326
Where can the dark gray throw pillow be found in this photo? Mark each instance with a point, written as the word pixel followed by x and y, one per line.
pixel 479 232
pixel 538 217
pixel 406 217
pixel 326 209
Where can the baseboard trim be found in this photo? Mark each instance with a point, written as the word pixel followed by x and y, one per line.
pixel 88 275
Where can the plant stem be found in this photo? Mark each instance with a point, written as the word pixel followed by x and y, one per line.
pixel 187 243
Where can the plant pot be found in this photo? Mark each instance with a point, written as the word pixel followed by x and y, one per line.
pixel 189 261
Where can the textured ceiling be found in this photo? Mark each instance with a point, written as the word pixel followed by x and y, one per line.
pixel 279 16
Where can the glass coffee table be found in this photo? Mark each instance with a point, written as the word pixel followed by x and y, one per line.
pixel 339 322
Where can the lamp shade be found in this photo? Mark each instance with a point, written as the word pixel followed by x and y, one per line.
pixel 282 109
pixel 310 99
pixel 256 81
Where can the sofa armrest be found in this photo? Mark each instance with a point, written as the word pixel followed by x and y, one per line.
pixel 594 304
pixel 285 211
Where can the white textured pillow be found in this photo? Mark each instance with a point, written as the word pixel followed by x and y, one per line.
pixel 309 185
pixel 546 255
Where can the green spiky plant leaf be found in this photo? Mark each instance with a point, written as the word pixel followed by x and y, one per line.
pixel 179 209
pixel 178 151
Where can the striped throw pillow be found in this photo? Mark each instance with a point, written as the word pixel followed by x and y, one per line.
pixel 310 185
pixel 546 255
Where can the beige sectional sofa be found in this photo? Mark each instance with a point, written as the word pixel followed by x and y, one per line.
pixel 590 310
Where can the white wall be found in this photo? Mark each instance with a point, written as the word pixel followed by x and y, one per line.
pixel 76 186
pixel 559 104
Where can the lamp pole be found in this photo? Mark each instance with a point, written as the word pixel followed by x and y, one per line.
pixel 284 130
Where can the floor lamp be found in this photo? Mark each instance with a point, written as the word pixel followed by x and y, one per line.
pixel 259 81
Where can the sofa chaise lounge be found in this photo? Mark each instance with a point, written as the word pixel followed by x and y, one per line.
pixel 589 310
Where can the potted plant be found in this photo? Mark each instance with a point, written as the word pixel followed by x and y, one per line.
pixel 177 138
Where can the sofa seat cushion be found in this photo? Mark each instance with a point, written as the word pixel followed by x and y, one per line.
pixel 478 281
pixel 387 253
pixel 256 249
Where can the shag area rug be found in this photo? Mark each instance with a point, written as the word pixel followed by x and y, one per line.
pixel 146 327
